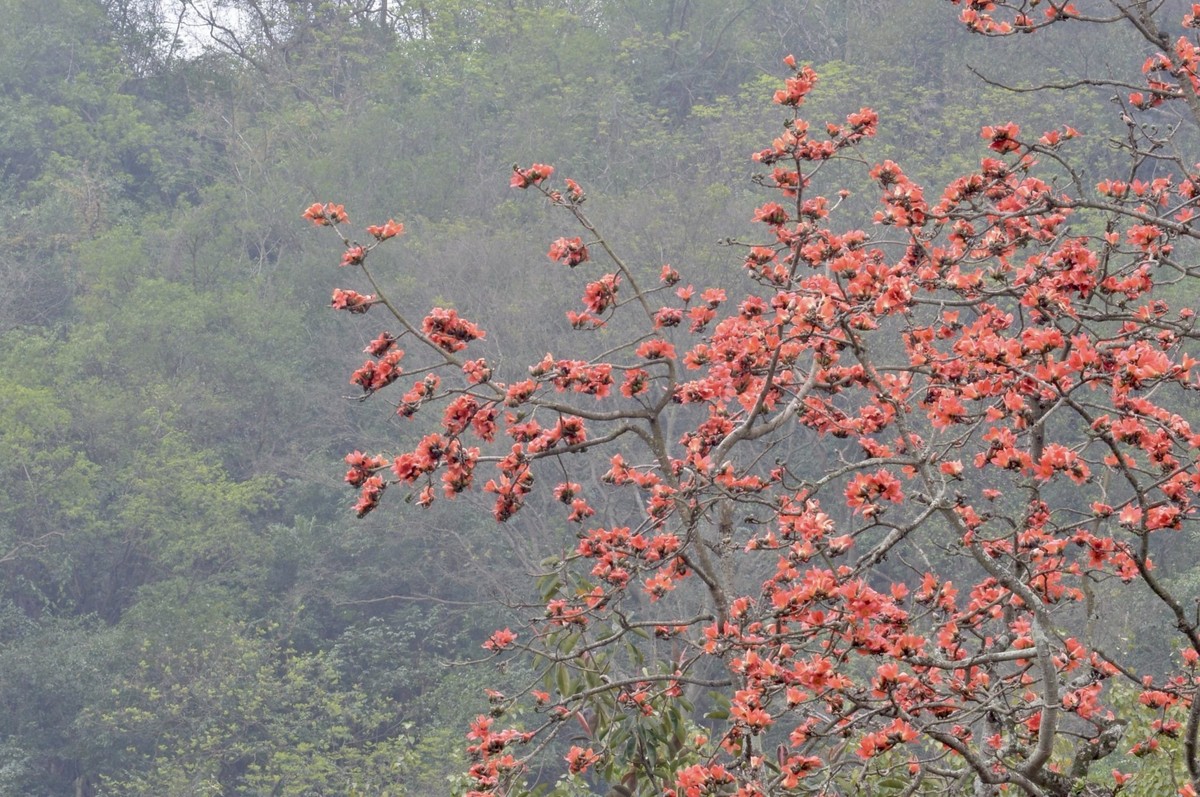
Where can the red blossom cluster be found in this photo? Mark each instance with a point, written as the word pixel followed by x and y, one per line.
pixel 568 251
pixel 382 232
pixel 492 763
pixel 500 640
pixel 601 295
pixel 324 215
pixel 362 467
pixel 377 374
pixel 534 175
pixel 580 760
pixel 448 331
pixel 351 301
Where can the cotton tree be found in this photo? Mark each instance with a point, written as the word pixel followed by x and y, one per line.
pixel 1004 368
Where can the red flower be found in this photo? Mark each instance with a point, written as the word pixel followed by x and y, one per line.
pixel 575 194
pixel 380 345
pixel 477 371
pixel 636 381
pixel 389 230
pixel 499 640
pixel 866 488
pixel 579 760
pixel 771 213
pixel 325 215
pixel 448 331
pixel 568 251
pixel 601 294
pixel 351 301
pixel 1003 137
pixel 368 499
pixel 667 317
pixel 656 349
pixel 519 393
pixel 523 178
pixel 797 88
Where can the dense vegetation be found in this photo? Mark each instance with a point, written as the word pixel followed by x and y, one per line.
pixel 187 606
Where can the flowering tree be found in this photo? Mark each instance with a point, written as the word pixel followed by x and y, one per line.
pixel 1005 366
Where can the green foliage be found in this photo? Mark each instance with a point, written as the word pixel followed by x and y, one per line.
pixel 211 707
pixel 49 671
